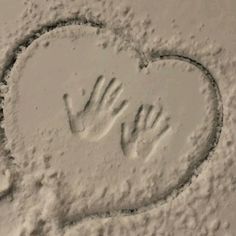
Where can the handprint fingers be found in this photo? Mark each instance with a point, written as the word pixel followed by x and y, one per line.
pixel 121 108
pixel 141 117
pixel 70 116
pixel 112 87
pixel 161 128
pixel 150 116
pixel 115 96
pixel 96 92
pixel 124 133
pixel 156 117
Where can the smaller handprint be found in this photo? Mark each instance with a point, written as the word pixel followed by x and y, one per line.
pixel 149 126
pixel 99 113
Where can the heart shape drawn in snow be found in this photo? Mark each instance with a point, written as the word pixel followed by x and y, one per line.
pixel 124 140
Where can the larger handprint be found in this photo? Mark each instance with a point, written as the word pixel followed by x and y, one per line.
pixel 99 113
pixel 149 125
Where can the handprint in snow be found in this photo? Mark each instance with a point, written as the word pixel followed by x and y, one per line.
pixel 99 113
pixel 149 126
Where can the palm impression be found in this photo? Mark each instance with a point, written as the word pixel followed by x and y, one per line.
pixel 123 140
